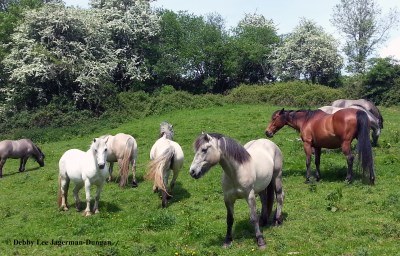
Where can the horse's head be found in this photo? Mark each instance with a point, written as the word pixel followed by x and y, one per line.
pixel 207 154
pixel 39 157
pixel 278 120
pixel 99 146
pixel 167 129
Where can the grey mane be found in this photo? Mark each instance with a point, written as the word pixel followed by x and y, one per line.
pixel 230 147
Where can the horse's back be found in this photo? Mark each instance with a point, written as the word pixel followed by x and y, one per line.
pixel 71 163
pixel 118 144
pixel 163 144
pixel 267 161
pixel 16 148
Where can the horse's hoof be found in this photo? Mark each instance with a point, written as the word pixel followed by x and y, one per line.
pixel 227 244
pixel 261 243
pixel 64 208
pixel 87 213
pixel 134 184
pixel 169 196
pixel 97 211
pixel 278 222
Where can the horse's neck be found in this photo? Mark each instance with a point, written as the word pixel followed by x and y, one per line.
pixel 294 122
pixel 229 166
pixel 91 155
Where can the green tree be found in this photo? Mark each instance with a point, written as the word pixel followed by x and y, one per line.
pixel 254 39
pixel 308 53
pixel 364 28
pixel 382 81
pixel 77 54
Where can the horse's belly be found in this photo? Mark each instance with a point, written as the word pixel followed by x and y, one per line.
pixel 331 142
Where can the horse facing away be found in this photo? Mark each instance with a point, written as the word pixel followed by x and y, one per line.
pixel 253 169
pixel 375 122
pixel 122 148
pixel 83 169
pixel 320 130
pixel 368 105
pixel 23 149
pixel 165 155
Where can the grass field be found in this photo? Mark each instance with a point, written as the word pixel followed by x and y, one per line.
pixel 325 218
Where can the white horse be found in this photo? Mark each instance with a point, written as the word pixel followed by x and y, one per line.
pixel 122 148
pixel 84 169
pixel 253 169
pixel 165 155
pixel 374 121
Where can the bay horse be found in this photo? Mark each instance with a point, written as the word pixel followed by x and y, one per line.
pixel 374 121
pixel 165 155
pixel 368 105
pixel 255 168
pixel 83 169
pixel 321 130
pixel 122 148
pixel 23 149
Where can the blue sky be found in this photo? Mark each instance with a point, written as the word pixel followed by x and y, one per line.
pixel 286 14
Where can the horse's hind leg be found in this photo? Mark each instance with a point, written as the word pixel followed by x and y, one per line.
pixel 110 170
pixel 2 162
pixel 97 198
pixel 251 201
pixel 175 174
pixel 22 164
pixel 64 185
pixel 317 152
pixel 278 187
pixel 346 149
pixel 265 207
pixel 375 135
pixel 134 182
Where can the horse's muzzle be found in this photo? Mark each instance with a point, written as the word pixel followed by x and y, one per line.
pixel 101 166
pixel 269 134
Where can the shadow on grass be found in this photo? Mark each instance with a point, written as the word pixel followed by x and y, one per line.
pixel 17 172
pixel 243 229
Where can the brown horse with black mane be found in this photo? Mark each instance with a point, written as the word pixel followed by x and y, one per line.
pixel 320 130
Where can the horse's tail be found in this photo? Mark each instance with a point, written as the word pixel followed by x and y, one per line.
pixel 128 154
pixel 158 166
pixel 364 147
pixel 59 196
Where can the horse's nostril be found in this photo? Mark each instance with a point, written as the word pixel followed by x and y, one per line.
pixel 101 166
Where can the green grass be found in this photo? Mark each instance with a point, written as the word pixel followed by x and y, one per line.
pixel 324 218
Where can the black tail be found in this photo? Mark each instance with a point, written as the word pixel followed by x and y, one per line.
pixel 364 147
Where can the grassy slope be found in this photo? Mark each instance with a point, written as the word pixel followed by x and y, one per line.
pixel 366 221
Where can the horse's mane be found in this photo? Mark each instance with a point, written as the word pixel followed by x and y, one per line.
pixel 166 128
pixel 230 146
pixel 308 113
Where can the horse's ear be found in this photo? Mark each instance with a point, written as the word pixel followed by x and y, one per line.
pixel 209 138
pixel 94 140
pixel 281 112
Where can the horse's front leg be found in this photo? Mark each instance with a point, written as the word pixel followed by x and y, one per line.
pixel 2 162
pixel 317 152
pixel 229 204
pixel 308 152
pixel 110 170
pixel 251 201
pixel 22 164
pixel 97 198
pixel 87 191
pixel 346 149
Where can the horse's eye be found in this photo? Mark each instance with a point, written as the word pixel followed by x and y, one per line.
pixel 204 150
pixel 105 149
pixel 95 150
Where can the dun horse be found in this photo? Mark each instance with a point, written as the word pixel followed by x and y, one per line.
pixel 84 169
pixel 320 130
pixel 22 149
pixel 375 122
pixel 165 155
pixel 122 148
pixel 368 105
pixel 253 169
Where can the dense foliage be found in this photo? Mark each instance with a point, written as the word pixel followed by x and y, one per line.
pixel 61 65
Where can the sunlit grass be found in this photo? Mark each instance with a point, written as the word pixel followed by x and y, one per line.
pixel 325 218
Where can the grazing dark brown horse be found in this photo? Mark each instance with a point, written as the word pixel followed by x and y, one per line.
pixel 320 130
pixel 23 149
